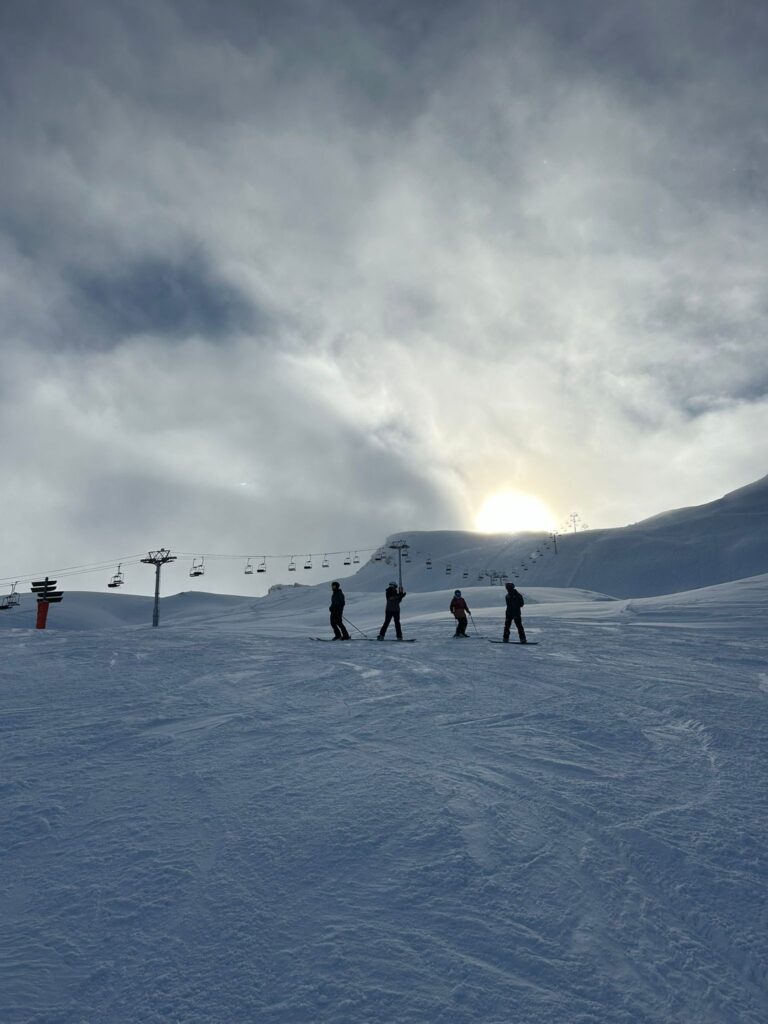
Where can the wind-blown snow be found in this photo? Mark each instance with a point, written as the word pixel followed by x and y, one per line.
pixel 220 821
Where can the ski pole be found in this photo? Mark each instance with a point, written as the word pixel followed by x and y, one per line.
pixel 355 627
pixel 473 623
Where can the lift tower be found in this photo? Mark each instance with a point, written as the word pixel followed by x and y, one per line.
pixel 158 558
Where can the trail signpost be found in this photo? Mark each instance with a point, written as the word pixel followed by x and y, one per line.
pixel 47 594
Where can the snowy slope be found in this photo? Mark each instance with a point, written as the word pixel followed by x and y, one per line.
pixel 682 550
pixel 85 610
pixel 220 821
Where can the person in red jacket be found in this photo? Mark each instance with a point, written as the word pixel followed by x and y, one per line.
pixel 460 610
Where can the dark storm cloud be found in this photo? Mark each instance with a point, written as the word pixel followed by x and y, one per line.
pixel 164 298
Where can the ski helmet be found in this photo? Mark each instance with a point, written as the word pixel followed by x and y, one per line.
pixel 457 593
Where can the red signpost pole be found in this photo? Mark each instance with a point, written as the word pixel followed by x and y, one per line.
pixel 47 594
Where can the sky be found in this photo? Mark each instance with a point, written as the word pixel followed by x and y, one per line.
pixel 293 278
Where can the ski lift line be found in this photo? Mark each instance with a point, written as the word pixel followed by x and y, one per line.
pixel 263 558
pixel 94 568
pixel 107 565
pixel 74 570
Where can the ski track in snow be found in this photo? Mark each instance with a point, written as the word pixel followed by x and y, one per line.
pixel 222 827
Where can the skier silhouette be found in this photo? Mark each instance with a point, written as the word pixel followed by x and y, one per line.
pixel 394 595
pixel 515 602
pixel 336 608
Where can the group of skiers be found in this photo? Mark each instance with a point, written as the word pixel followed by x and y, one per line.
pixel 459 608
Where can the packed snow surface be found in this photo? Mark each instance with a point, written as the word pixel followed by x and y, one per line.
pixel 222 821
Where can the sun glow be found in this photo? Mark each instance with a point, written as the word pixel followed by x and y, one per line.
pixel 513 512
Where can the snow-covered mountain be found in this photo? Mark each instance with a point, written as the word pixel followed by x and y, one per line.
pixel 676 551
pixel 670 553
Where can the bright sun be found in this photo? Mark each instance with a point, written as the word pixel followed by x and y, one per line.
pixel 513 512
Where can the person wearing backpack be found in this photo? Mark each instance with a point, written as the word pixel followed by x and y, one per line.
pixel 459 609
pixel 515 602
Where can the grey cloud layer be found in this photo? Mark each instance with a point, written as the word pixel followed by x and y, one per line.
pixel 374 262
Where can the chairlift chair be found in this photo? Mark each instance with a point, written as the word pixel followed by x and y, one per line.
pixel 348 559
pixel 117 580
pixel 308 563
pixel 198 569
pixel 291 565
pixel 448 569
pixel 248 568
pixel 262 566
pixel 355 559
pixel 428 563
pixel 325 563
pixel 465 574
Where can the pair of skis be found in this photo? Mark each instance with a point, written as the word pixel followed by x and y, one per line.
pixel 412 640
pixel 370 639
pixel 528 643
